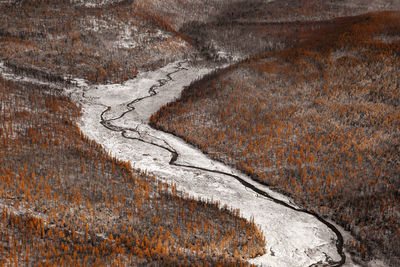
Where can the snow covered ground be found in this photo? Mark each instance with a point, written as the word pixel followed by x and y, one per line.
pixel 293 238
pixel 95 3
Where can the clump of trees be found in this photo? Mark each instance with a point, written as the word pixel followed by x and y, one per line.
pixel 318 121
pixel 64 200
pixel 100 44
pixel 226 30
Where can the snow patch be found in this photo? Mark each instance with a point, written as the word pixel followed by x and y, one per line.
pixel 95 3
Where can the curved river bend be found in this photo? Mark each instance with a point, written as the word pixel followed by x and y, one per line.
pixel 116 116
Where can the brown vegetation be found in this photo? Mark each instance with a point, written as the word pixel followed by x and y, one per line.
pixel 243 28
pixel 99 44
pixel 319 121
pixel 64 201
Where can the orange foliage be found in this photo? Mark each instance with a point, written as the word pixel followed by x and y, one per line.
pixel 319 121
pixel 66 201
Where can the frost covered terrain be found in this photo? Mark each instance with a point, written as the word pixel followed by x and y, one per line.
pixel 116 116
pixel 322 75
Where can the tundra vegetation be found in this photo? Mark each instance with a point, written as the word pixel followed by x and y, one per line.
pixel 319 121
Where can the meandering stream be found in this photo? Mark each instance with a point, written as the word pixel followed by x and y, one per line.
pixel 116 116
pixel 108 123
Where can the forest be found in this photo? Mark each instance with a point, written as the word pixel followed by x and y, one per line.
pixel 308 104
pixel 65 201
pixel 318 121
pixel 99 44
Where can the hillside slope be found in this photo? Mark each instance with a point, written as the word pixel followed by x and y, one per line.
pixel 319 122
pixel 230 30
pixel 107 43
pixel 63 199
